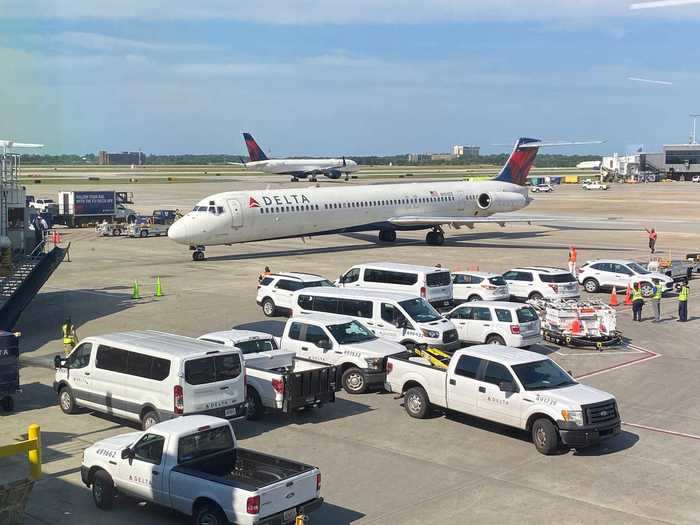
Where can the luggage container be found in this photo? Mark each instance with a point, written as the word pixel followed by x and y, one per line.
pixel 9 369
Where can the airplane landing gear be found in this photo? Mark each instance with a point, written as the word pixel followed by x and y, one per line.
pixel 347 177
pixel 435 237
pixel 313 179
pixel 294 179
pixel 198 253
pixel 387 235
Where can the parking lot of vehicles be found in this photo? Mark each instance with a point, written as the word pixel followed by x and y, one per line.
pixel 195 467
pixel 514 387
pixel 344 342
pixel 497 322
pixel 542 188
pixel 541 282
pixel 431 283
pixel 147 377
pixel 276 291
pixel 400 317
pixel 277 379
pixel 620 273
pixel 594 185
pixel 479 286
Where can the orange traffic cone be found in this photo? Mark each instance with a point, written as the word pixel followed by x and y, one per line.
pixel 628 295
pixel 576 326
pixel 613 297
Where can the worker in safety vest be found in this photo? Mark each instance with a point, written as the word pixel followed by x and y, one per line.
pixel 637 302
pixel 652 239
pixel 264 274
pixel 683 302
pixel 69 336
pixel 572 260
pixel 656 302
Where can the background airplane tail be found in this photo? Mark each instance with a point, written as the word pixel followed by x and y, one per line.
pixel 255 152
pixel 517 167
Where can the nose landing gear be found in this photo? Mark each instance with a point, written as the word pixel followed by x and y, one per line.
pixel 435 237
pixel 387 235
pixel 197 253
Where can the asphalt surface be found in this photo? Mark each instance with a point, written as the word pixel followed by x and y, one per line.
pixel 380 466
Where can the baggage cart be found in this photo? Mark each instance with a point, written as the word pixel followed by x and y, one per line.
pixel 9 369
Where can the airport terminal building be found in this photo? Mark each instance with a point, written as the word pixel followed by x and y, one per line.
pixel 676 161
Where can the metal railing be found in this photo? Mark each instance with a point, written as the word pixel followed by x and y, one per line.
pixel 31 446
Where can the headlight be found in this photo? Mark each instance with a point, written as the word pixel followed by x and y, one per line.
pixel 430 334
pixel 573 416
pixel 374 363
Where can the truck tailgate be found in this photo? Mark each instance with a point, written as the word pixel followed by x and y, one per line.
pixel 308 385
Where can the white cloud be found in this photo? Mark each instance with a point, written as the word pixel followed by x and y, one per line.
pixel 105 43
pixel 335 11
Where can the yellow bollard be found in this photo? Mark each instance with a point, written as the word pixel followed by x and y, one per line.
pixel 34 453
pixel 300 520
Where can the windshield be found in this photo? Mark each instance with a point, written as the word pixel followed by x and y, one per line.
pixel 257 345
pixel 419 310
pixel 542 375
pixel 638 268
pixel 527 314
pixel 438 279
pixel 314 284
pixel 352 332
pixel 497 281
pixel 557 278
pixel 204 443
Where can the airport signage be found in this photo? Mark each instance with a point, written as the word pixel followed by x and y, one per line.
pixel 94 203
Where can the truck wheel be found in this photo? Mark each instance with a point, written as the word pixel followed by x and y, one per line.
pixel 209 514
pixel 254 407
pixel 149 419
pixel 495 340
pixel 353 381
pixel 545 437
pixel 116 232
pixel 269 308
pixel 647 289
pixel 535 296
pixel 66 400
pixel 143 233
pixel 8 404
pixel 591 285
pixel 416 403
pixel 473 298
pixel 103 490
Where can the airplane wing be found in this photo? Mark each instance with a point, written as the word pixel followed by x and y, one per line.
pixel 501 220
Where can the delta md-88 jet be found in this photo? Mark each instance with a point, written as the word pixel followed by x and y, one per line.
pixel 244 216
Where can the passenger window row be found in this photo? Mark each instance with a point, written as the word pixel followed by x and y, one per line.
pixel 356 204
pixel 132 363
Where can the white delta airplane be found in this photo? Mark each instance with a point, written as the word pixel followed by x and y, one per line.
pixel 297 168
pixel 244 216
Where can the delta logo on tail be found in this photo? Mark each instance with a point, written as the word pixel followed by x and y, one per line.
pixel 255 152
pixel 519 163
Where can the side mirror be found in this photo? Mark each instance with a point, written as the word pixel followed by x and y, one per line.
pixel 506 386
pixel 127 453
pixel 325 344
pixel 58 362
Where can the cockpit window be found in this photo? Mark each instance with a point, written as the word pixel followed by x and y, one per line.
pixel 219 210
pixel 215 210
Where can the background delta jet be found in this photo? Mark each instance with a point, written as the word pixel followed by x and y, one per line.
pixel 244 216
pixel 297 168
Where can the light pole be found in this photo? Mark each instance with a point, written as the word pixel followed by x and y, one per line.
pixel 694 116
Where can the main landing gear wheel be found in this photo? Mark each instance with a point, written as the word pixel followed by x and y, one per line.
pixel 387 235
pixel 435 238
pixel 347 178
pixel 294 179
pixel 198 255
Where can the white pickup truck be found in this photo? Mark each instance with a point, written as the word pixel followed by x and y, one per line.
pixel 277 379
pixel 194 466
pixel 514 387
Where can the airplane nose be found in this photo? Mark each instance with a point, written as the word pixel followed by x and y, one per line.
pixel 180 231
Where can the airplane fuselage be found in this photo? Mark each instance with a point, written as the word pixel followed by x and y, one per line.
pixel 302 167
pixel 244 216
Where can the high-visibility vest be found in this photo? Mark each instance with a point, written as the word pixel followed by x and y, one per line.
pixel 68 338
pixel 659 292
pixel 637 295
pixel 572 255
pixel 683 296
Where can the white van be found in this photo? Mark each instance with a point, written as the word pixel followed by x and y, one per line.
pixel 431 283
pixel 400 317
pixel 150 376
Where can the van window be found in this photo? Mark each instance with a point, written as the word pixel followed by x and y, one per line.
pixel 212 369
pixel 467 366
pixel 504 316
pixel 497 373
pixel 438 279
pixel 326 304
pixel 355 308
pixel 352 276
pixel 526 314
pixel 390 277
pixel 80 357
pixel 146 366
pixel 112 359
pixel 305 302
pixel 351 333
pixel 391 315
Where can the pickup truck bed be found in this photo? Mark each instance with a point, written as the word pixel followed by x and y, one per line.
pixel 246 469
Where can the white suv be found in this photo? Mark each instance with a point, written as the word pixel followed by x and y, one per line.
pixel 542 188
pixel 275 291
pixel 497 322
pixel 606 273
pixel 541 282
pixel 478 286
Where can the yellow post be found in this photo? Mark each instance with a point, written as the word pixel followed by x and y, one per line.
pixel 34 453
pixel 300 520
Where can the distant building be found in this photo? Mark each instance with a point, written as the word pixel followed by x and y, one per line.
pixel 443 156
pixel 465 151
pixel 675 161
pixel 137 158
pixel 414 158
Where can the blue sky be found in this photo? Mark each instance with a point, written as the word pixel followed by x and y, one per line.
pixel 348 77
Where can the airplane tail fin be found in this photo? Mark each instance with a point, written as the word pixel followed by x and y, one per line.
pixel 255 152
pixel 517 167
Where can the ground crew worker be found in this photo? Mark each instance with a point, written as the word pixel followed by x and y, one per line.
pixel 652 239
pixel 572 260
pixel 178 214
pixel 683 302
pixel 264 274
pixel 656 302
pixel 69 336
pixel 637 302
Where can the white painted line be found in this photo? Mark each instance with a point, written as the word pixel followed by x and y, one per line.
pixel 649 356
pixel 662 430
